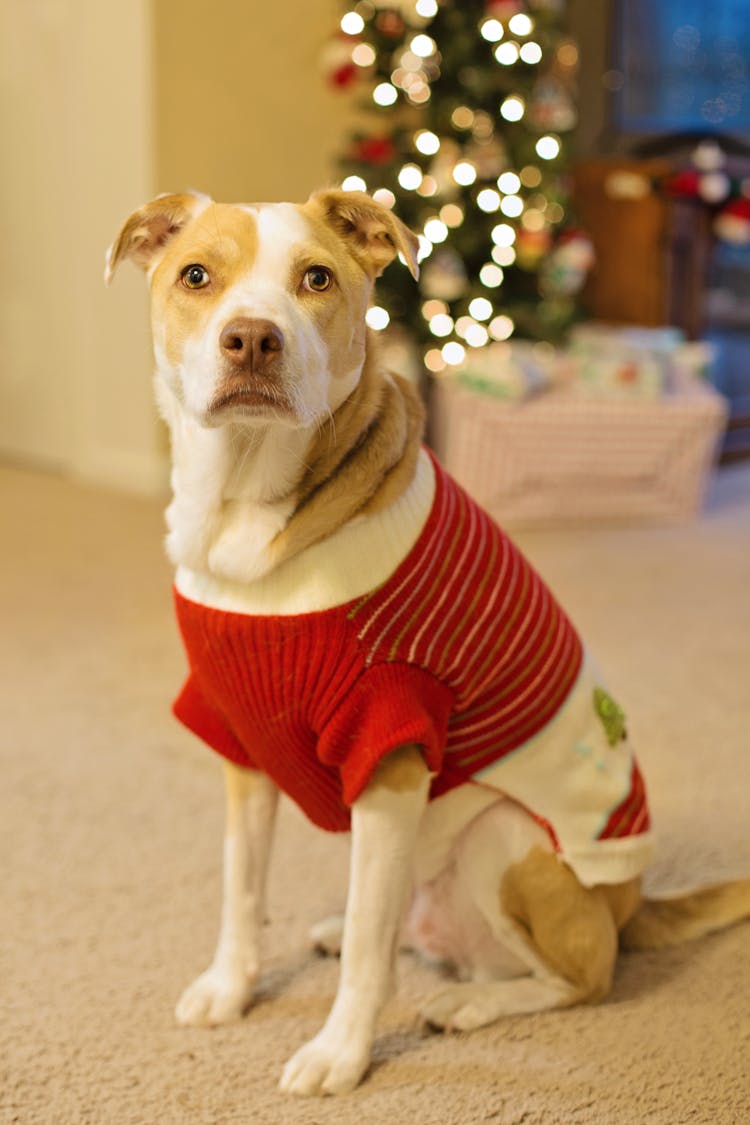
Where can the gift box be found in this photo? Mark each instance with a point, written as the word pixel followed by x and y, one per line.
pixel 598 361
pixel 628 362
pixel 560 458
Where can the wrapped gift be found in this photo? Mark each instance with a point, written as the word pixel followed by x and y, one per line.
pixel 560 457
pixel 512 369
pixel 630 362
pixel 599 361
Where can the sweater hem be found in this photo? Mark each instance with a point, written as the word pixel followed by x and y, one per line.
pixel 610 861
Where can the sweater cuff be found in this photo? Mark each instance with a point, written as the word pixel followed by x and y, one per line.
pixel 391 705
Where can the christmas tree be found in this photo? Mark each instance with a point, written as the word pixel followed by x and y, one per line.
pixel 468 103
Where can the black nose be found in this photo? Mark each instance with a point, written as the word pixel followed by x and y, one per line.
pixel 251 343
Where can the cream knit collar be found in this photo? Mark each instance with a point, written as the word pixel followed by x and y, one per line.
pixel 349 563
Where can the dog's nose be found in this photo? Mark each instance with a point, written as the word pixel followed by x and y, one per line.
pixel 251 343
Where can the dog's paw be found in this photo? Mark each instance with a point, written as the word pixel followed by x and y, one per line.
pixel 460 1007
pixel 326 936
pixel 217 996
pixel 328 1064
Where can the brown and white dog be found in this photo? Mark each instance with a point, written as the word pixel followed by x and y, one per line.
pixel 290 447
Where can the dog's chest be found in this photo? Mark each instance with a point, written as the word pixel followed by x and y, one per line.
pixel 231 499
pixel 357 558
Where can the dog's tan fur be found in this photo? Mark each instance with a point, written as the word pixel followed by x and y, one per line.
pixel 401 771
pixel 362 460
pixel 573 928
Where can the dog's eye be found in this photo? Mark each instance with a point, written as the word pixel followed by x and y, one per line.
pixel 195 277
pixel 318 279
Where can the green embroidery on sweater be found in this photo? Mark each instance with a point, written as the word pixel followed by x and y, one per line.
pixel 611 715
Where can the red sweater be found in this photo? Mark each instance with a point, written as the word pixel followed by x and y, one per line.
pixel 463 650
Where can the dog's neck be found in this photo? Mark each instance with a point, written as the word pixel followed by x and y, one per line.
pixel 247 499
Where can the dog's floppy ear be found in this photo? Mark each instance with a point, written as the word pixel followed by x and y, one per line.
pixel 375 234
pixel 148 229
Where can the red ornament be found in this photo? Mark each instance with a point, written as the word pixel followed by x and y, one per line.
pixel 344 75
pixel 685 183
pixel 732 224
pixel 336 61
pixel 374 150
pixel 502 9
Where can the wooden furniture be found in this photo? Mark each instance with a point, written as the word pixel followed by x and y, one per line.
pixel 628 283
pixel 656 262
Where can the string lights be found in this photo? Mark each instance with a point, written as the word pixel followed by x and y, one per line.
pixel 455 171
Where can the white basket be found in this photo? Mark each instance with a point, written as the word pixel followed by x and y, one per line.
pixel 558 459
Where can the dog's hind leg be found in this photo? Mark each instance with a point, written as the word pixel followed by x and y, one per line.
pixel 224 990
pixel 565 933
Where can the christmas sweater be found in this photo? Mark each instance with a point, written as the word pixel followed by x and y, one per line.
pixel 462 650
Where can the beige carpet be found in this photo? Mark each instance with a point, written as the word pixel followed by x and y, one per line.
pixel 110 820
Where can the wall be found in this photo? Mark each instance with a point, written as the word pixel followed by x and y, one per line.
pixel 75 132
pixel 242 108
pixel 102 105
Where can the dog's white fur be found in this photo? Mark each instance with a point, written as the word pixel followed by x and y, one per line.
pixel 216 496
pixel 483 868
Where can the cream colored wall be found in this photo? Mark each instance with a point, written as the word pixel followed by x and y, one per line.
pixel 101 106
pixel 243 110
pixel 76 140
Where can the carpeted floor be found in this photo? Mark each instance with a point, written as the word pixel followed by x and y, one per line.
pixel 110 821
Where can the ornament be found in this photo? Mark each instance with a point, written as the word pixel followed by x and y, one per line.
pixel 566 268
pixel 503 9
pixel 552 106
pixel 683 184
pixel 337 63
pixel 374 150
pixel 444 276
pixel 390 23
pixel 345 76
pixel 531 246
pixel 732 224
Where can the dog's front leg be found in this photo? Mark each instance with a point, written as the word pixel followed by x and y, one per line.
pixel 385 820
pixel 223 992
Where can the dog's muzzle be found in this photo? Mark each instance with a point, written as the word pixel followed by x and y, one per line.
pixel 252 351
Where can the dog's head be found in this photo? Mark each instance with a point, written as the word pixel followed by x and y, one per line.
pixel 258 311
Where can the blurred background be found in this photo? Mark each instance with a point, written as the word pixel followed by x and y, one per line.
pixel 644 219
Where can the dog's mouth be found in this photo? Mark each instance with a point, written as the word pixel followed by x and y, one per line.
pixel 251 399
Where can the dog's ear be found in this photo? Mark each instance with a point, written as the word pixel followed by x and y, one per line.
pixel 150 228
pixel 375 233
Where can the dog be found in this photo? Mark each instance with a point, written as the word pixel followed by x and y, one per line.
pixel 361 636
